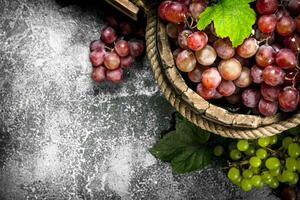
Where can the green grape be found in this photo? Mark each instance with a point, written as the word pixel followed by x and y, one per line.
pixel 237 181
pixel 275 172
pixel 274 183
pixel 255 170
pixel 246 185
pixel 235 154
pixel 291 164
pixel 261 153
pixel 263 142
pixel 242 145
pixel 286 141
pixel 255 161
pixel 272 163
pixel 273 139
pixel 218 150
pixel 250 151
pixel 256 180
pixel 247 173
pixel 294 150
pixel 295 180
pixel 232 146
pixel 233 173
pixel 266 177
pixel 280 179
pixel 288 176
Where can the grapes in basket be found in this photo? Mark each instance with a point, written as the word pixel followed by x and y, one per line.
pixel 255 67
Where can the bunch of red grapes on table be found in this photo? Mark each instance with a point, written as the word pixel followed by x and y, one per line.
pixel 113 53
pixel 262 73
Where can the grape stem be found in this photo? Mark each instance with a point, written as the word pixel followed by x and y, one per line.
pixel 192 25
pixel 108 48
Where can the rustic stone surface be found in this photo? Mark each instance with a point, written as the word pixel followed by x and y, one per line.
pixel 64 137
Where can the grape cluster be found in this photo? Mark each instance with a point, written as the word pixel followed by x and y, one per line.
pixel 266 161
pixel 112 53
pixel 262 73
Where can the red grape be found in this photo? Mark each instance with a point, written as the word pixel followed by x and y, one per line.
pixel 289 99
pixel 226 88
pixel 286 26
pixel 108 35
pixel 97 57
pixel 286 59
pixel 206 56
pixel 162 9
pixel 217 95
pixel 196 74
pixel 281 12
pixel 265 56
pixel 211 78
pixel 126 61
pixel 98 74
pixel 270 93
pixel 267 23
pixel 292 42
pixel 230 69
pixel 197 40
pixel 294 7
pixel 276 47
pixel 205 93
pixel 245 78
pixel 196 8
pixel 182 38
pixel 251 97
pixel 136 48
pixel 256 74
pixel 112 60
pixel 248 48
pixel 267 108
pixel 114 76
pixel 273 75
pixel 97 45
pixel 264 7
pixel 175 12
pixel 224 48
pixel 186 61
pixel 122 48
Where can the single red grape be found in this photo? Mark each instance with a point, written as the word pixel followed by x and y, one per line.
pixel 98 74
pixel 273 75
pixel 136 48
pixel 205 93
pixel 162 9
pixel 245 78
pixel 197 40
pixel 230 69
pixel 97 57
pixel 285 26
pixel 265 56
pixel 182 38
pixel 186 61
pixel 175 12
pixel 196 8
pixel 270 93
pixel 206 56
pixel 292 42
pixel 112 60
pixel 256 74
pixel 97 45
pixel 251 97
pixel 126 61
pixel 267 108
pixel 264 7
pixel 224 48
pixel 196 74
pixel 289 99
pixel 248 48
pixel 122 48
pixel 108 35
pixel 267 23
pixel 211 78
pixel 115 75
pixel 286 59
pixel 226 88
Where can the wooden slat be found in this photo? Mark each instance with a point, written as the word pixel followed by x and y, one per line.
pixel 126 7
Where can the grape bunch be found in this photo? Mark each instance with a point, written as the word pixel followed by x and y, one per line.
pixel 113 53
pixel 262 74
pixel 265 161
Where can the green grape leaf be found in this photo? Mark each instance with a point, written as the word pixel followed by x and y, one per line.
pixel 184 147
pixel 231 18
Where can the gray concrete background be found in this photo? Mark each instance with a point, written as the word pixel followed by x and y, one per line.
pixel 65 137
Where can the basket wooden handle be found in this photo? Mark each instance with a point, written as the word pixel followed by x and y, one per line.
pixel 125 6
